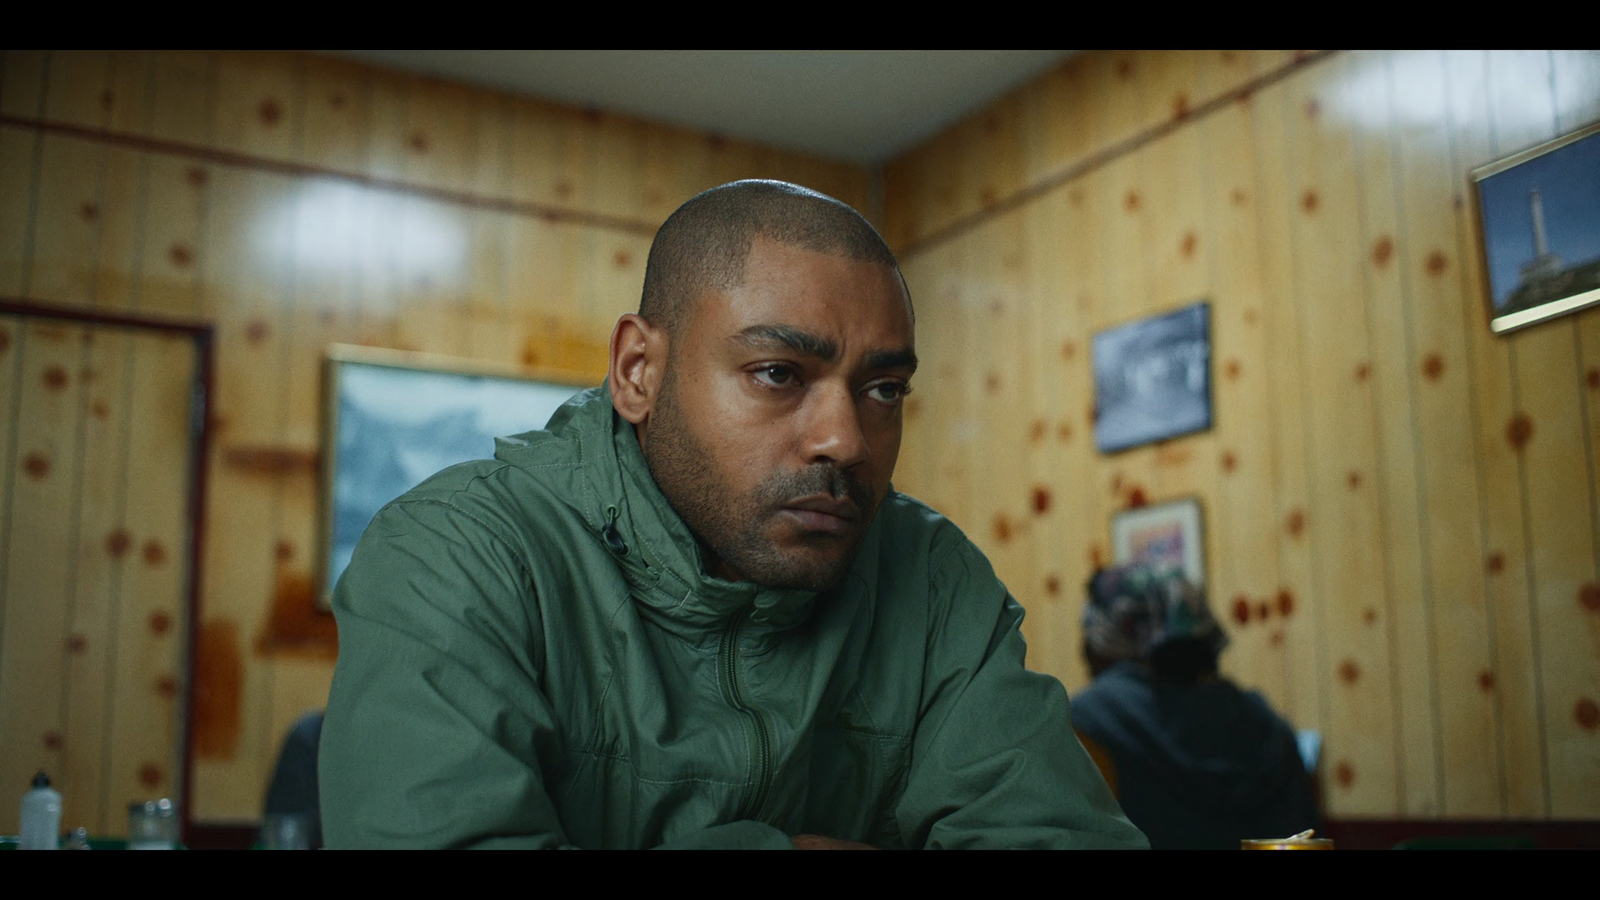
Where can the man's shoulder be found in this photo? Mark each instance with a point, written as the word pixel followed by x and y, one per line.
pixel 915 533
pixel 909 525
pixel 1119 689
pixel 534 477
pixel 482 528
pixel 922 554
pixel 546 462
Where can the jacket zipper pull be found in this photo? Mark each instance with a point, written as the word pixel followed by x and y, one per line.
pixel 611 536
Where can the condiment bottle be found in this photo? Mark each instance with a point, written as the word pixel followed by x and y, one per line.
pixel 41 817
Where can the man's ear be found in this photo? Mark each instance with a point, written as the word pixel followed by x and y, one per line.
pixel 638 363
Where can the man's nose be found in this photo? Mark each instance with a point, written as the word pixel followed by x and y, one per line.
pixel 833 428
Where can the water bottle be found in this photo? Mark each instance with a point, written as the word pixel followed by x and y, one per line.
pixel 41 817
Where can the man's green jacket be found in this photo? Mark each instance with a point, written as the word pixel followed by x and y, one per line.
pixel 532 656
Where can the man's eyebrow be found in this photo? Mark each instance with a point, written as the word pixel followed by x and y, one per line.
pixel 803 342
pixel 892 359
pixel 808 344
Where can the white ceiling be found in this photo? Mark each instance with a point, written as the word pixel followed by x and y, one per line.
pixel 858 106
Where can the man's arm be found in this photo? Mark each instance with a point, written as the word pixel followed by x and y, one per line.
pixel 995 762
pixel 435 717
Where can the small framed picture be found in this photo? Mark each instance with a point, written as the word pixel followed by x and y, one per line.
pixel 1152 379
pixel 1539 218
pixel 393 418
pixel 1166 535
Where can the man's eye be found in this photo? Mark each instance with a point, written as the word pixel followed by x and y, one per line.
pixel 776 376
pixel 889 391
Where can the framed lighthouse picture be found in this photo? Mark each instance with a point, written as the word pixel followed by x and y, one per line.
pixel 1539 216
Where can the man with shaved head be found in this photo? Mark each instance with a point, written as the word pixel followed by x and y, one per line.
pixel 692 611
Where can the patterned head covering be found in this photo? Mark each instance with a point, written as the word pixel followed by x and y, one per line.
pixel 1134 609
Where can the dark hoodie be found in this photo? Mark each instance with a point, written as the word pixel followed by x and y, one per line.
pixel 1199 766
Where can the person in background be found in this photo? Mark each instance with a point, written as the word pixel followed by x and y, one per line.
pixel 1197 763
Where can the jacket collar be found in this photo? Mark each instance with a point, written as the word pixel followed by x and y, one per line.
pixel 653 547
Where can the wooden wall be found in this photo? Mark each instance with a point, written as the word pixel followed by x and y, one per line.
pixel 97 450
pixel 1400 508
pixel 296 201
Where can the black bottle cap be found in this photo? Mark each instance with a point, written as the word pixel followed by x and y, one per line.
pixel 41 780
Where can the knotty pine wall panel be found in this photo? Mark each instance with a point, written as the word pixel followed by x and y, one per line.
pixel 38 576
pixel 293 201
pixel 92 628
pixel 1400 507
pixel 1226 163
pixel 1288 483
pixel 94 611
pixel 1342 519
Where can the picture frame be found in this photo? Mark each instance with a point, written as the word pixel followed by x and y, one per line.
pixel 393 418
pixel 1163 535
pixel 1152 379
pixel 1538 220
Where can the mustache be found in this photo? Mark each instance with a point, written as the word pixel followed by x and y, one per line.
pixel 821 478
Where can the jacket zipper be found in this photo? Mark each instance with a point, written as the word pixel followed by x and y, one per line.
pixel 729 664
pixel 730 687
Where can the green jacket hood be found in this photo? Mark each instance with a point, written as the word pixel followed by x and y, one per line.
pixel 613 490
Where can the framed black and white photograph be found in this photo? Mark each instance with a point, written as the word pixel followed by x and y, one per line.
pixel 392 418
pixel 1152 379
pixel 1164 536
pixel 1539 215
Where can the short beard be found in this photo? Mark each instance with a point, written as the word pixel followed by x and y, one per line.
pixel 734 528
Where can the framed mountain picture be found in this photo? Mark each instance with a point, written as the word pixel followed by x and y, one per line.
pixel 393 418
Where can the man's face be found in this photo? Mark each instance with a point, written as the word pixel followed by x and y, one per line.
pixel 778 423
